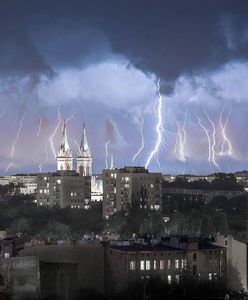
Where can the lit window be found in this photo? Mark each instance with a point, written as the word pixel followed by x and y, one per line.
pixel 40 191
pixel 152 185
pixel 155 265
pixel 114 190
pixel 148 265
pixel 210 276
pixel 6 255
pixel 169 279
pixel 169 263
pixel 132 265
pixel 177 263
pixel 161 264
pixel 142 265
pixel 182 263
pixel 157 207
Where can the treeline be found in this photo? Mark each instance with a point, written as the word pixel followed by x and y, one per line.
pixel 222 182
pixel 55 223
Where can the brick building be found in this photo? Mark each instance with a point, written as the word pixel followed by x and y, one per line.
pixel 169 260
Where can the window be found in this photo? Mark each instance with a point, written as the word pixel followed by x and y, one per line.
pixel 210 276
pixel 169 279
pixel 161 265
pixel 155 265
pixel 194 256
pixel 148 265
pixel 169 263
pixel 132 265
pixel 142 265
pixel 177 263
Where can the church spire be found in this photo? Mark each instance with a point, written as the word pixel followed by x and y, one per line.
pixel 84 158
pixel 64 141
pixel 64 156
pixel 84 146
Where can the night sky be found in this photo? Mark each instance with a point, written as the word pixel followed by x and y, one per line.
pixel 101 62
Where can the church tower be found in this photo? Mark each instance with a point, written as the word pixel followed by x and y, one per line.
pixel 84 157
pixel 64 156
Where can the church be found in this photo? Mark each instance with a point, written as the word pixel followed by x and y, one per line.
pixel 66 186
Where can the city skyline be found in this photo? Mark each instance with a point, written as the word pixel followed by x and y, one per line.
pixel 184 87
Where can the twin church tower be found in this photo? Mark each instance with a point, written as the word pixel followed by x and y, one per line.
pixel 83 159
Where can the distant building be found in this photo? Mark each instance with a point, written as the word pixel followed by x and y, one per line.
pixel 129 186
pixel 21 179
pixel 63 189
pixel 67 187
pixel 28 188
pixel 96 188
pixel 236 261
pixel 169 260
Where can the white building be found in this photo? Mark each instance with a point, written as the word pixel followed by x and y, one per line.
pixel 236 261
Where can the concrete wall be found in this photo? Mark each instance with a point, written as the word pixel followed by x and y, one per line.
pixel 21 277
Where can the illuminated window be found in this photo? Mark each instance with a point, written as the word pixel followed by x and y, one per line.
pixel 142 265
pixel 177 263
pixel 155 265
pixel 161 264
pixel 169 263
pixel 169 279
pixel 132 265
pixel 210 276
pixel 148 265
pixel 177 278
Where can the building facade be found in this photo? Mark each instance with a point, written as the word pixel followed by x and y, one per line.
pixel 63 189
pixel 123 188
pixel 236 254
pixel 129 261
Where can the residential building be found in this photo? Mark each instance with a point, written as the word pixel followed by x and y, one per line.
pixel 63 189
pixel 128 261
pixel 129 186
pixel 236 261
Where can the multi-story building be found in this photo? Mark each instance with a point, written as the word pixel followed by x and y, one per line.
pixel 63 189
pixel 21 179
pixel 236 263
pixel 128 261
pixel 123 188
pixel 67 187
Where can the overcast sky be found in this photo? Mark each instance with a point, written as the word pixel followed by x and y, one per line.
pixel 101 61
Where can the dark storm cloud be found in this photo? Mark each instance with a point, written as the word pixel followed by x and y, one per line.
pixel 165 37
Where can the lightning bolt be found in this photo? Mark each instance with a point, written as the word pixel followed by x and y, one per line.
pixel 39 126
pixel 2 113
pixel 54 132
pixel 16 140
pixel 213 152
pixel 226 143
pixel 208 138
pixel 106 154
pixel 159 129
pixel 181 139
pixel 141 126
